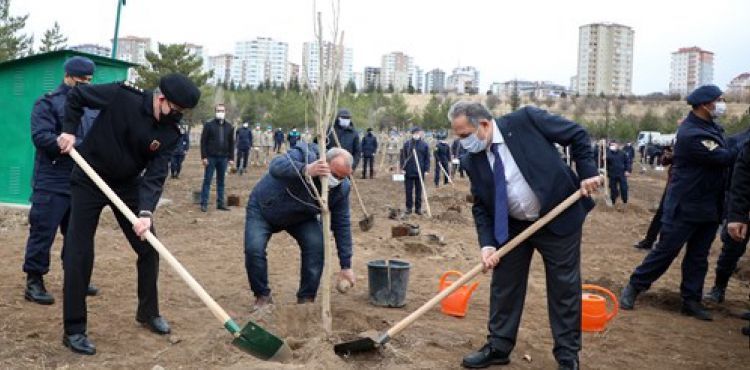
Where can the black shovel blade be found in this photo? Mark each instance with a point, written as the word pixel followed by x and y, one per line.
pixel 367 223
pixel 356 346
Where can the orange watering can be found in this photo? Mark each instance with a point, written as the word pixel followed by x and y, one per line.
pixel 594 317
pixel 457 303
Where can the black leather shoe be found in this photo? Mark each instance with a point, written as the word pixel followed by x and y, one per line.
pixel 696 309
pixel 222 208
pixel 79 343
pixel 419 212
pixel 716 295
pixel 407 212
pixel 746 330
pixel 92 290
pixel 156 324
pixel 485 357
pixel 36 292
pixel 568 365
pixel 628 296
pixel 644 244
pixel 204 208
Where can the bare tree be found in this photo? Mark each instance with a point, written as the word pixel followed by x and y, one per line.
pixel 325 101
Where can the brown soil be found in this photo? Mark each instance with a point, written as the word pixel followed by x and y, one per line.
pixel 654 336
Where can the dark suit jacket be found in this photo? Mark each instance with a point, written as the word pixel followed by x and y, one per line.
pixel 530 134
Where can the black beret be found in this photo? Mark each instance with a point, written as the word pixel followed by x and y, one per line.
pixel 343 112
pixel 415 129
pixel 704 94
pixel 180 90
pixel 79 66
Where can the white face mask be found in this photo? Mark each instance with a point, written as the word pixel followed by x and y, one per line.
pixel 473 144
pixel 613 147
pixel 719 110
pixel 345 122
pixel 220 115
pixel 333 181
pixel 415 137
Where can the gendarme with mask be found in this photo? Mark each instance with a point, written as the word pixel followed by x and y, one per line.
pixel 692 205
pixel 347 135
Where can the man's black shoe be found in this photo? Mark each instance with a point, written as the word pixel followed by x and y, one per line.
pixel 157 324
pixel 419 212
pixel 628 296
pixel 92 290
pixel 485 357
pixel 407 212
pixel 204 208
pixel 568 365
pixel 746 330
pixel 35 290
pixel 222 208
pixel 644 244
pixel 696 309
pixel 716 295
pixel 79 343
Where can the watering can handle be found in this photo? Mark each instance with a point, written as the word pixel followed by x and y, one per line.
pixel 615 303
pixel 449 273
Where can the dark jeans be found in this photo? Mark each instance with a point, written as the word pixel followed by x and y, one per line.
pixel 731 252
pixel 48 212
pixel 655 226
pixel 277 146
pixel 698 237
pixel 562 265
pixel 176 164
pixel 618 185
pixel 220 165
pixel 439 172
pixel 368 162
pixel 87 202
pixel 413 193
pixel 241 161
pixel 309 236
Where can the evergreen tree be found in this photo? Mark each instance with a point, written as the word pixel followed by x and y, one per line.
pixel 53 39
pixel 172 58
pixel 351 87
pixel 12 44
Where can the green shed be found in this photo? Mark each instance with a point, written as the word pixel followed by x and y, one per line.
pixel 22 82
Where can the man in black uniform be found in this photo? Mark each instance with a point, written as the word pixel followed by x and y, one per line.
pixel 50 199
pixel 129 146
pixel 619 167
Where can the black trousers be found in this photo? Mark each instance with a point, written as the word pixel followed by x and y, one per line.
pixel 655 226
pixel 562 265
pixel 618 186
pixel 241 161
pixel 413 193
pixel 731 252
pixel 87 202
pixel 368 162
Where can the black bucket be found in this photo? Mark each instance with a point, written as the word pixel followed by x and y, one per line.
pixel 388 281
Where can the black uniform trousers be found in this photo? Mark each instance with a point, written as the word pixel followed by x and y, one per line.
pixel 618 186
pixel 655 226
pixel 562 265
pixel 175 164
pixel 731 252
pixel 242 155
pixel 49 211
pixel 413 193
pixel 87 202
pixel 673 236
pixel 368 163
pixel 439 172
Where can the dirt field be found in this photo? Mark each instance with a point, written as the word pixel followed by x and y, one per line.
pixel 654 336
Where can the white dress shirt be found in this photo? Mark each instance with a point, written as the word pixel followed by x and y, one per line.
pixel 522 202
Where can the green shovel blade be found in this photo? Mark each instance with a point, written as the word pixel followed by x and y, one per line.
pixel 258 342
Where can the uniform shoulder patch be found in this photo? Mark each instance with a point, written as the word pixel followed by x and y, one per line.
pixel 710 145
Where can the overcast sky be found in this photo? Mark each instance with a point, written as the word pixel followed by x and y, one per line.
pixel 525 39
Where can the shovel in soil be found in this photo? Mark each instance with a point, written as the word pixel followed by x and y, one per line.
pixel 252 338
pixel 366 223
pixel 372 343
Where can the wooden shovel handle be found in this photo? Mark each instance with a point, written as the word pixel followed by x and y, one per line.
pixel 520 238
pixel 421 183
pixel 163 252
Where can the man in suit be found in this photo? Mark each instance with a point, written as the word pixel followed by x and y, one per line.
pixel 413 169
pixel 516 177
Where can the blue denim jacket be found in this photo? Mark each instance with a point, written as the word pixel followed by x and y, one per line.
pixel 285 198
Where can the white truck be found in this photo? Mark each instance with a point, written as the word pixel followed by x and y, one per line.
pixel 655 137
